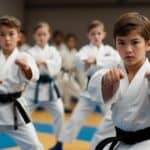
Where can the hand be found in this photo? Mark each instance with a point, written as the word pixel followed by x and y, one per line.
pixel 1 81
pixel 112 77
pixel 41 62
pixel 110 82
pixel 22 63
pixel 90 61
pixel 147 75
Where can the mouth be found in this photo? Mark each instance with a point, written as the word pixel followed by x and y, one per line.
pixel 129 57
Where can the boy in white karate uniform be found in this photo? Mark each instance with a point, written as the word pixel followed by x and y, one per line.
pixel 17 69
pixel 58 40
pixel 90 58
pixel 69 79
pixel 45 92
pixel 127 85
pixel 23 46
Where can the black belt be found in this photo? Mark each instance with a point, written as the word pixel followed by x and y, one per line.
pixel 46 79
pixel 12 98
pixel 65 70
pixel 126 137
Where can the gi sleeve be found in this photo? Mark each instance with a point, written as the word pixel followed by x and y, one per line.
pixel 32 64
pixel 95 86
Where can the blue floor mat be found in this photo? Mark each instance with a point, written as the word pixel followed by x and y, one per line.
pixel 85 134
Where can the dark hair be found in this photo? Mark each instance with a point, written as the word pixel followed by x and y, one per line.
pixel 94 24
pixel 70 35
pixel 10 22
pixel 42 24
pixel 132 21
pixel 58 33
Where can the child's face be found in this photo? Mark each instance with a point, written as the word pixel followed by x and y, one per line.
pixel 8 38
pixel 71 43
pixel 22 39
pixel 42 36
pixel 58 39
pixel 96 36
pixel 132 48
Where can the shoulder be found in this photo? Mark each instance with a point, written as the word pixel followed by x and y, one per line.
pixel 52 49
pixel 24 55
pixel 84 48
pixel 31 50
pixel 110 50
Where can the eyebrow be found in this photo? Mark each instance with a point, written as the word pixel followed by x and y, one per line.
pixel 124 40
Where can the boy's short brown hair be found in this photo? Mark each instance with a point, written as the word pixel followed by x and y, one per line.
pixel 132 21
pixel 71 35
pixel 11 22
pixel 42 24
pixel 94 24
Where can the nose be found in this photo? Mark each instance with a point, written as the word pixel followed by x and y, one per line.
pixel 7 37
pixel 128 48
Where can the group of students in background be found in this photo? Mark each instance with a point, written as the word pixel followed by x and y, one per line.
pixel 97 75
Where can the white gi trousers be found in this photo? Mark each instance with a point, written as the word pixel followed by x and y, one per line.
pixel 25 136
pixel 56 109
pixel 78 117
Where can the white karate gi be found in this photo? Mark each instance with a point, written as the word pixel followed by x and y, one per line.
pixel 105 56
pixel 69 77
pixel 52 68
pixel 60 47
pixel 130 108
pixel 24 47
pixel 13 81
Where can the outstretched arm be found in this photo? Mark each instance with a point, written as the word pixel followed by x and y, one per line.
pixel 110 83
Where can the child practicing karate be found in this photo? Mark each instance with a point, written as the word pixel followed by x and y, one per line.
pixel 45 93
pixel 127 85
pixel 17 69
pixel 91 57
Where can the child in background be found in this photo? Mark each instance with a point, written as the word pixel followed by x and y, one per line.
pixel 58 40
pixel 45 93
pixel 17 70
pixel 90 57
pixel 69 79
pixel 22 45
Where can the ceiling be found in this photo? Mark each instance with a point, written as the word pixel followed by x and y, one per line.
pixel 59 2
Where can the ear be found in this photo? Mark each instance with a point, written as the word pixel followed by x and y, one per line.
pixel 104 35
pixel 49 36
pixel 148 45
pixel 19 36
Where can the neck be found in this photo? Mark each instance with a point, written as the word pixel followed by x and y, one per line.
pixel 134 68
pixel 98 46
pixel 42 46
pixel 7 53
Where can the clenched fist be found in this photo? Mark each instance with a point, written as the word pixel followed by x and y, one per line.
pixel 110 82
pixel 147 75
pixel 112 77
pixel 22 63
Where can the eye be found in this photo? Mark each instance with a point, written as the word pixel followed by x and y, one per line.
pixel 2 34
pixel 11 33
pixel 99 33
pixel 120 43
pixel 93 33
pixel 135 42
